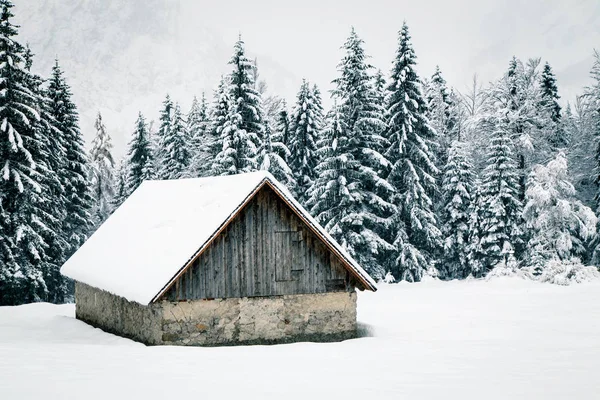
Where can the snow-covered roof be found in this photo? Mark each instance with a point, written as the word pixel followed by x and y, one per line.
pixel 144 245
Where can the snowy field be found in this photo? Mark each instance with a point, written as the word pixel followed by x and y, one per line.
pixel 503 339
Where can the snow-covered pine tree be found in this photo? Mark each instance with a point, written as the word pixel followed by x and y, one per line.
pixel 304 133
pixel 140 165
pixel 121 190
pixel 592 111
pixel 560 224
pixel 458 116
pixel 319 114
pixel 199 138
pixel 218 116
pixel 578 122
pixel 318 106
pixel 550 92
pixel 102 172
pixel 163 135
pixel 353 154
pixel 329 198
pixel 416 235
pixel 77 223
pixel 516 104
pixel 244 126
pixel 282 127
pixel 175 148
pixel 458 193
pixel 270 158
pixel 589 115
pixel 239 152
pixel 246 100
pixel 379 85
pixel 476 255
pixel 439 114
pixel 549 97
pixel 22 246
pixel 554 128
pixel 50 212
pixel 194 121
pixel 500 207
pixel 332 199
pixel 153 139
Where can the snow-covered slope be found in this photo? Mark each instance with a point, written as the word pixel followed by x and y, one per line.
pixel 503 339
pixel 121 57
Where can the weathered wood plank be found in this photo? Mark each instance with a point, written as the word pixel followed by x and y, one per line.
pixel 266 250
pixel 255 249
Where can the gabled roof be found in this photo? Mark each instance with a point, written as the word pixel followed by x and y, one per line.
pixel 155 234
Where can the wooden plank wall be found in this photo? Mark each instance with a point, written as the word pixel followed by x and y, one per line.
pixel 266 250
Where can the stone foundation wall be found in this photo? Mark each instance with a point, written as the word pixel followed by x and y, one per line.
pixel 116 315
pixel 249 320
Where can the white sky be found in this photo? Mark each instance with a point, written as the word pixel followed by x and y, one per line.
pixel 123 56
pixel 462 36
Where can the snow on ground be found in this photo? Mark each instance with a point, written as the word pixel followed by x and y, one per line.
pixel 502 339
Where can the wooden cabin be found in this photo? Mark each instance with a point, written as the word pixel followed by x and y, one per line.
pixel 216 261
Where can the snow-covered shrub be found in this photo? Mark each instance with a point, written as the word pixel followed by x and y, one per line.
pixel 559 223
pixel 507 268
pixel 389 278
pixel 566 272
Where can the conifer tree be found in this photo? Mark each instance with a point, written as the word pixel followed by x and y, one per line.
pixel 439 114
pixel 282 127
pixel 380 88
pixel 591 129
pixel 121 189
pixel 74 174
pixel 475 253
pixel 352 159
pixel 246 100
pixel 175 148
pixel 50 211
pixel 163 135
pixel 333 201
pixel 140 165
pixel 515 104
pixel 329 197
pixel 102 172
pixel 550 92
pixel 21 245
pixel 549 101
pixel 513 121
pixel 501 208
pixel 304 133
pixel 318 105
pixel 458 193
pixel 218 116
pixel 416 235
pixel 238 151
pixel 270 158
pixel 199 137
pixel 243 127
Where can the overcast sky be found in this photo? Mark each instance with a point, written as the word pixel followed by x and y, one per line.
pixel 462 36
pixel 123 56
